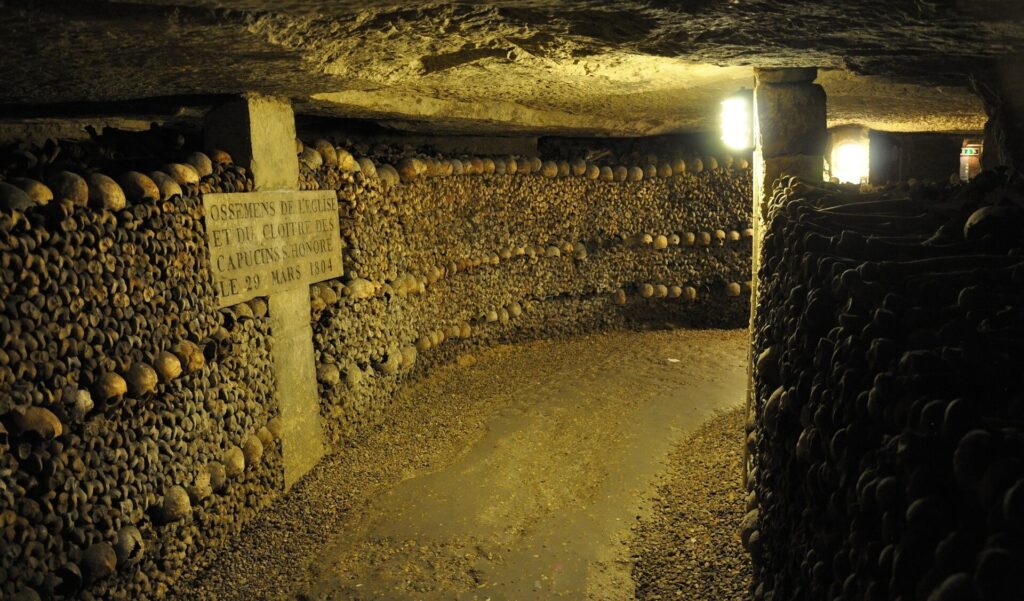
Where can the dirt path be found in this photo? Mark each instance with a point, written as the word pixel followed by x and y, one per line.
pixel 517 478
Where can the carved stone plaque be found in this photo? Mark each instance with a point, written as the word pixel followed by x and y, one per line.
pixel 263 242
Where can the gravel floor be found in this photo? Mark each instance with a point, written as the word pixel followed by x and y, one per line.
pixel 690 548
pixel 516 476
pixel 277 552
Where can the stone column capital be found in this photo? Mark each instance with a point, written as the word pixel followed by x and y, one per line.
pixel 785 75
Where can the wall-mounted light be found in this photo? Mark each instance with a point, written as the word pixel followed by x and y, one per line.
pixel 849 156
pixel 737 121
pixel 851 162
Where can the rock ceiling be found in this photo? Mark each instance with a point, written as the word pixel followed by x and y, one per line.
pixel 532 66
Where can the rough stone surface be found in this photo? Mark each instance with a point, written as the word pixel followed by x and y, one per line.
pixel 785 75
pixel 790 138
pixel 301 437
pixel 635 67
pixel 791 119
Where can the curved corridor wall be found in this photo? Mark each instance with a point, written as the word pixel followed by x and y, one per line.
pixel 139 429
pixel 438 267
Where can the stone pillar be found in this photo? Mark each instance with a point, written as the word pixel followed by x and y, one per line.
pixel 790 137
pixel 259 133
pixel 295 374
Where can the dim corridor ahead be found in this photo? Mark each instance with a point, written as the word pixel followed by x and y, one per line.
pixel 515 476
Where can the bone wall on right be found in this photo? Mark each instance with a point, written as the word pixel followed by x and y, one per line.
pixel 887 432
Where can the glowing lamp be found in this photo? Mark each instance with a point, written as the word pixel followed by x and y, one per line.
pixel 851 161
pixel 737 122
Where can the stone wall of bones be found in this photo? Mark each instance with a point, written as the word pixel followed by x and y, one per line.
pixel 138 423
pixel 886 425
pixel 449 255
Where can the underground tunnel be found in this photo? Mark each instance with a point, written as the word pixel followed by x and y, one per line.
pixel 694 300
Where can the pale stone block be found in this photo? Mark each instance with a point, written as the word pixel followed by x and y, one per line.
pixel 259 134
pixel 262 242
pixel 807 167
pixel 295 372
pixel 790 119
pixel 785 74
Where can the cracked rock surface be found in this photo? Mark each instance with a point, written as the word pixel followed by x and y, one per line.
pixel 635 68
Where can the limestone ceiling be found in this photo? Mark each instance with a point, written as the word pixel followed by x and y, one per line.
pixel 534 66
